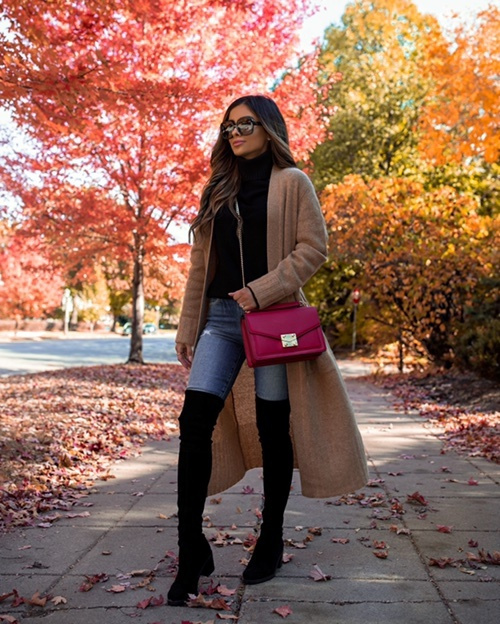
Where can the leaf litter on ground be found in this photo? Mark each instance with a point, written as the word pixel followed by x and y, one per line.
pixel 61 431
pixel 463 405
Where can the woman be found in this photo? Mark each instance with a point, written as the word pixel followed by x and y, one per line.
pixel 301 413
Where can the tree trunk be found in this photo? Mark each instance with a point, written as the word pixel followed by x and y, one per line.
pixel 135 354
pixel 401 363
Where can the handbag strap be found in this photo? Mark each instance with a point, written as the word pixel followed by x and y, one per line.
pixel 239 228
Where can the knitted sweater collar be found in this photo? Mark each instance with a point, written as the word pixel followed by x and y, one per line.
pixel 258 168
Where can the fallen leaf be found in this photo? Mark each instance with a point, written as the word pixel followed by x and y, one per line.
pixel 318 575
pixel 443 562
pixel 247 489
pixel 399 530
pixel 340 540
pixel 381 554
pixel 472 481
pixel 417 498
pixel 8 618
pixel 442 528
pixel 92 580
pixel 216 603
pixel 37 600
pixel 57 600
pixel 8 595
pixel 151 602
pixel 143 572
pixel 284 611
pixel 225 591
pixel 116 589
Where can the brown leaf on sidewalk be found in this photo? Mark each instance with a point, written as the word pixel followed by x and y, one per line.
pixel 225 591
pixel 92 580
pixel 417 498
pixel 215 603
pixel 485 557
pixel 284 611
pixel 318 575
pixel 116 589
pixel 315 531
pixel 381 554
pixel 442 562
pixel 151 602
pixel 399 530
pixel 57 600
pixel 36 600
pixel 10 619
pixel 443 528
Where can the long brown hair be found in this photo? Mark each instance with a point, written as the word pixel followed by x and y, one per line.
pixel 224 181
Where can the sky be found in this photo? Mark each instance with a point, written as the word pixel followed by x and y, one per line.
pixel 331 11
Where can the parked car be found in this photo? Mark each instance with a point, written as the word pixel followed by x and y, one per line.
pixel 147 328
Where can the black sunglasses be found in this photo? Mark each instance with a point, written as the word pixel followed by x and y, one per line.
pixel 245 126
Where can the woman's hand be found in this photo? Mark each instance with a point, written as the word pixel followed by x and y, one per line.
pixel 184 354
pixel 244 299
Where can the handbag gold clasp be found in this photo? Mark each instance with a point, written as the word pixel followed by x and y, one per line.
pixel 289 340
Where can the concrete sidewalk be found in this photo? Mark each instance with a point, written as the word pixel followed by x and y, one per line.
pixel 414 491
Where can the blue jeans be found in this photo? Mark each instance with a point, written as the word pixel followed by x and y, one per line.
pixel 219 356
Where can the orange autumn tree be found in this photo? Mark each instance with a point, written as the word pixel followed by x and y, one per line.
pixel 121 100
pixel 421 254
pixel 459 120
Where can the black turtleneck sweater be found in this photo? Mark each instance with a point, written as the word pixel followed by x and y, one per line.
pixel 252 200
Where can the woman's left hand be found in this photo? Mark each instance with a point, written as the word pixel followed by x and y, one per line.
pixel 244 299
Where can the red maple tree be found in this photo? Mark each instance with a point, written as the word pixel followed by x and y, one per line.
pixel 121 101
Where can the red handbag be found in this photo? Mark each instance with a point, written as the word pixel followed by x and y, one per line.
pixel 282 333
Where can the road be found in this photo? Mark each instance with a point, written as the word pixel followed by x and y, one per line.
pixel 37 355
pixel 33 356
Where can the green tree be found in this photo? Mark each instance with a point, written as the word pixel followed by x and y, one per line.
pixel 377 52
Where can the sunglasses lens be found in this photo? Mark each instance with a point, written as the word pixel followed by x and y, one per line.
pixel 245 127
pixel 227 129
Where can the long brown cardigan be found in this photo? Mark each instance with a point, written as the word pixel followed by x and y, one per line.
pixel 328 448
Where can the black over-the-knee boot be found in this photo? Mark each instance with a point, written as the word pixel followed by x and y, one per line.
pixel 273 423
pixel 197 422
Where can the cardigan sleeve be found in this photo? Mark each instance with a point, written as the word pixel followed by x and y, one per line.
pixel 310 250
pixel 193 294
